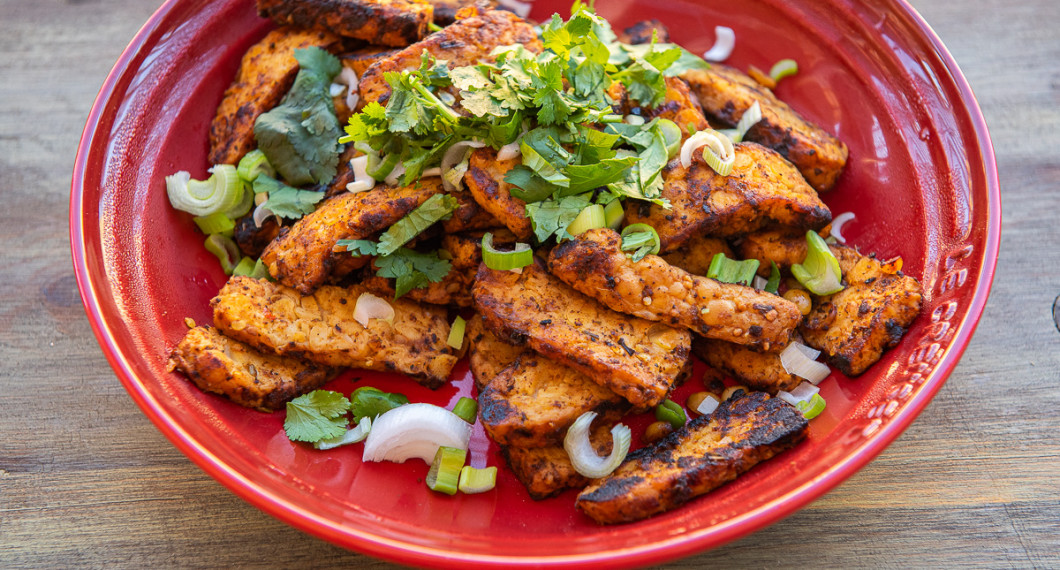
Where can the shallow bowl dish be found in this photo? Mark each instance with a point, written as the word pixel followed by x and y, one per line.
pixel 921 181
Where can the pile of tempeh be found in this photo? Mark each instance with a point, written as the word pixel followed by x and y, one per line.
pixel 582 329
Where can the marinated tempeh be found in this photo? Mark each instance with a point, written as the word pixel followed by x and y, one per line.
pixel 548 471
pixel 304 255
pixel 726 93
pixel 635 358
pixel 321 328
pixel 680 106
pixel 380 22
pixel 265 74
pixel 533 401
pixel 763 190
pixel 855 326
pixel 595 264
pixel 487 354
pixel 703 455
pixel 264 381
pixel 485 180
pixel 697 253
pixel 757 370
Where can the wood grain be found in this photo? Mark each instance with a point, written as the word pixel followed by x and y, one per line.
pixel 86 480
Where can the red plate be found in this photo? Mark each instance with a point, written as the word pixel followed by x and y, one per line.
pixel 921 181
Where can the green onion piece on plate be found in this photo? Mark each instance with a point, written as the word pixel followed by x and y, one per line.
pixel 221 192
pixel 215 223
pixel 614 213
pixel 783 68
pixel 444 475
pixel 591 217
pixel 640 240
pixel 261 271
pixel 519 257
pixel 477 480
pixel 371 402
pixel 672 412
pixel 252 164
pixel 732 271
pixel 467 409
pixel 672 134
pixel 244 267
pixel 226 251
pixel 819 272
pixel 812 408
pixel 456 333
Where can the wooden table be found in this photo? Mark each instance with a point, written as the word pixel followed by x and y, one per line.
pixel 86 480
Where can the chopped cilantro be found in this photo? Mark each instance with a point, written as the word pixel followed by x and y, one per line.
pixel 435 208
pixel 285 201
pixel 412 269
pixel 320 414
pixel 551 217
pixel 300 136
pixel 358 247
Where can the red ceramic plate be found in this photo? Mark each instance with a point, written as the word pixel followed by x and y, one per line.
pixel 921 181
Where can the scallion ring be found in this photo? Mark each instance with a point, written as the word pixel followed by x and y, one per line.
pixel 467 409
pixel 819 272
pixel 456 333
pixel 591 217
pixel 750 118
pixel 582 455
pixel 614 213
pixel 215 223
pixel 521 256
pixel 732 271
pixel 362 180
pixel 783 68
pixel 639 240
pixel 718 151
pixel 477 480
pixel 244 267
pixel 672 133
pixel 672 412
pixel 221 192
pixel 226 251
pixel 252 164
pixel 444 475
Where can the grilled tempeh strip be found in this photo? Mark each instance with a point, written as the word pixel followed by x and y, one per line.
pixel 855 326
pixel 533 401
pixel 466 42
pixel 304 255
pixel 757 370
pixel 380 22
pixel 763 190
pixel 594 264
pixel 680 106
pixel 697 254
pixel 634 358
pixel 548 471
pixel 487 354
pixel 485 180
pixel 265 74
pixel 703 455
pixel 321 328
pixel 725 93
pixel 264 381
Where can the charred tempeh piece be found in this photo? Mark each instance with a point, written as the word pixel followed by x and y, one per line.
pixel 487 354
pixel 304 255
pixel 680 106
pixel 533 401
pixel 642 32
pixel 725 93
pixel 380 22
pixel 855 326
pixel 445 10
pixel 757 370
pixel 697 253
pixel 763 190
pixel 548 471
pixel 703 455
pixel 264 381
pixel 321 328
pixel 465 42
pixel 485 180
pixel 634 358
pixel 265 74
pixel 595 264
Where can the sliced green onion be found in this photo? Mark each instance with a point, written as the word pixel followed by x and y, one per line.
pixel 225 249
pixel 614 213
pixel 582 455
pixel 252 164
pixel 244 267
pixel 806 398
pixel 635 120
pixel 215 223
pixel 672 412
pixel 521 256
pixel 718 151
pixel 783 68
pixel 819 272
pixel 773 285
pixel 243 207
pixel 750 117
pixel 672 133
pixel 813 408
pixel 381 167
pixel 591 217
pixel 732 271
pixel 477 480
pixel 641 240
pixel 467 409
pixel 432 27
pixel 456 333
pixel 444 475
pixel 370 402
pixel 221 192
pixel 261 271
pixel 355 435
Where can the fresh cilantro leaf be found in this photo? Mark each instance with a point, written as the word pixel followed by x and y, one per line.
pixel 412 269
pixel 320 414
pixel 526 185
pixel 433 209
pixel 285 201
pixel 369 123
pixel 358 247
pixel 640 244
pixel 585 177
pixel 551 217
pixel 300 136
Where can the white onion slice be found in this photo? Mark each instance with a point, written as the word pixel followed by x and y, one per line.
pixel 584 457
pixel 717 144
pixel 261 213
pixel 521 9
pixel 708 405
pixel 361 181
pixel 336 89
pixel 802 393
pixel 453 156
pixel 724 42
pixel 759 282
pixel 436 171
pixel 837 225
pixel 355 435
pixel 348 77
pixel 797 361
pixel 370 307
pixel 415 430
pixel 392 178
